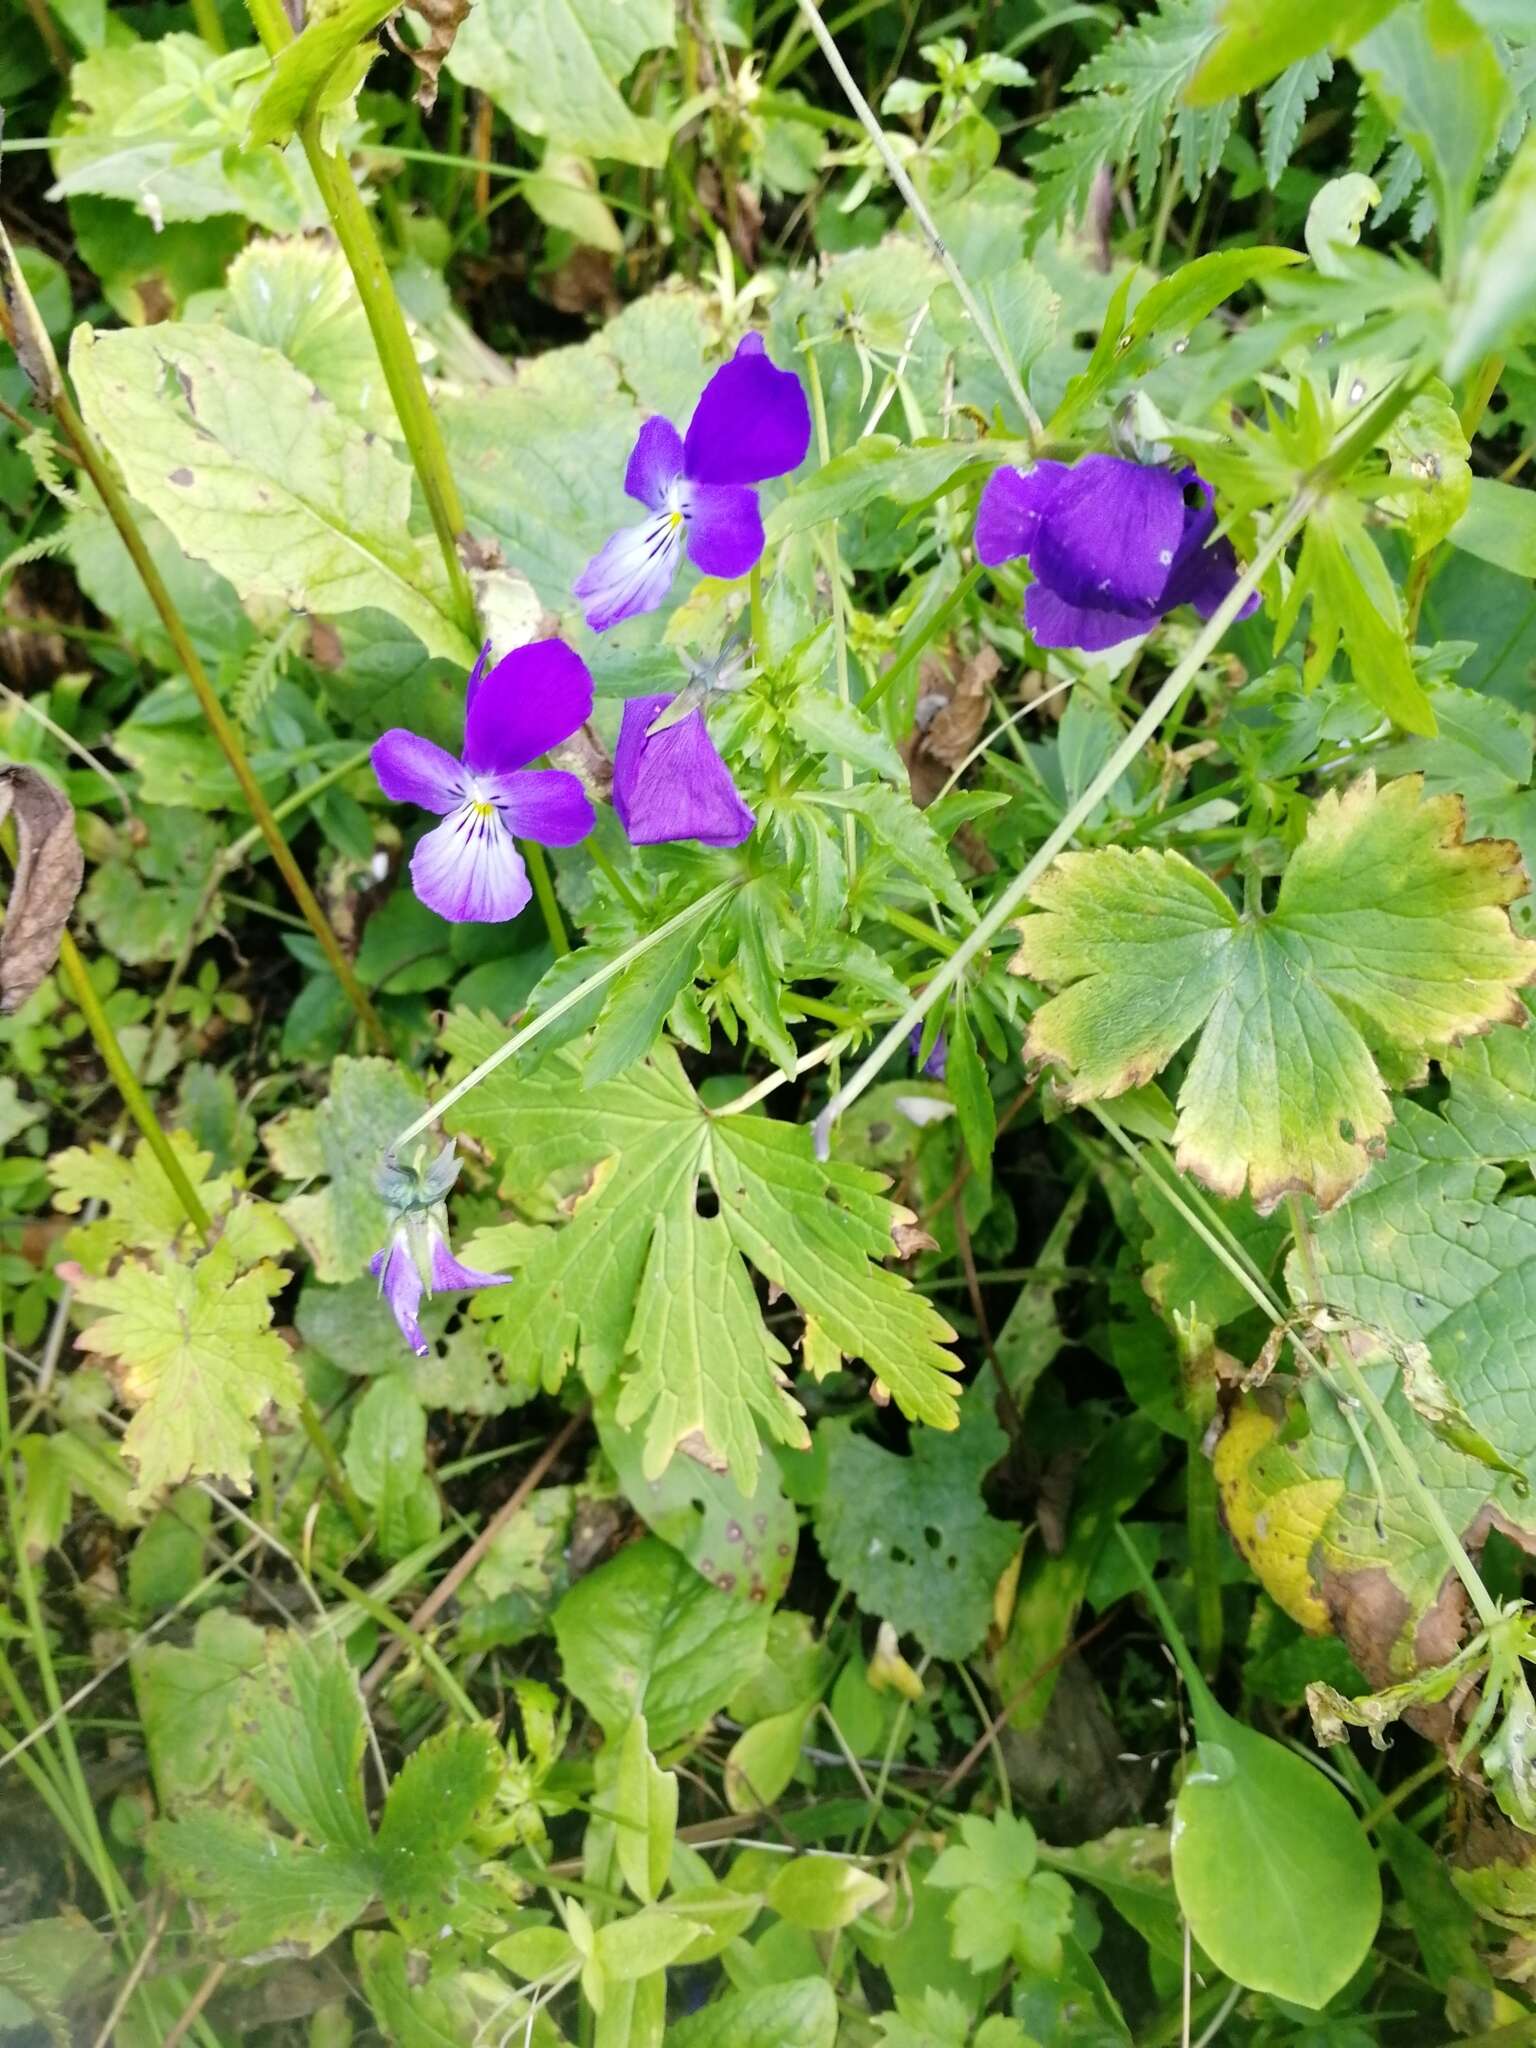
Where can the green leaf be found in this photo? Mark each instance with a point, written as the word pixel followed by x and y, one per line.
pixel 1283 108
pixel 298 297
pixel 194 1355
pixel 645 1634
pixel 1499 525
pixel 911 1536
pixel 188 1701
pixel 904 836
pixel 1003 1906
pixel 707 1369
pixel 304 69
pixel 442 1791
pixel 816 1231
pixel 639 1000
pixel 166 1562
pixel 144 1212
pixel 1428 452
pixel 1443 88
pixel 800 2013
pixel 1354 600
pixel 1258 40
pixel 1389 936
pixel 432 2001
pixel 554 67
pixel 641 1800
pixel 386 1462
pixel 879 466
pixel 764 1758
pixel 304 1740
pixel 823 1892
pixel 1273 1869
pixel 1495 287
pixel 162 125
pixel 225 442
pixel 342 1224
pixel 262 1889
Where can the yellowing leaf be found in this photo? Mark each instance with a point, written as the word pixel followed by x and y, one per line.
pixel 1389 938
pixel 193 1353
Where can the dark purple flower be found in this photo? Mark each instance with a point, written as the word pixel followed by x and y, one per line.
pixel 469 869
pixel 673 784
pixel 419 1241
pixel 937 1060
pixel 752 422
pixel 1113 545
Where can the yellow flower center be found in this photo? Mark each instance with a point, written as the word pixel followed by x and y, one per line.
pixel 482 810
pixel 676 519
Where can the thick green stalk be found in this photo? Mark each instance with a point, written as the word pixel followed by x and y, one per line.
pixel 353 226
pixel 95 464
pixel 135 1101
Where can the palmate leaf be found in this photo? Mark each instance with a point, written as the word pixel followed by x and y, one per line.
pixel 255 472
pixel 1390 938
pixel 1428 1252
pixel 194 1355
pixel 596 1288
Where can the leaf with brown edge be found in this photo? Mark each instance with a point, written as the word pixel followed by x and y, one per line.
pixel 49 870
pixel 1390 940
pixel 441 19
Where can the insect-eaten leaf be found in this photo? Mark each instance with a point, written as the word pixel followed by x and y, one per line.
pixel 1390 939
pixel 49 870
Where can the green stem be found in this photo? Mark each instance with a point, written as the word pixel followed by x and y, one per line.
pixel 135 1101
pixel 834 562
pixel 206 15
pixel 325 1451
pixel 758 615
pixel 353 227
pixel 542 1022
pixel 96 466
pixel 296 800
pixel 1208 1716
pixel 544 896
pixel 904 921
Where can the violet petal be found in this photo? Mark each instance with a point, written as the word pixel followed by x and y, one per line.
pixel 725 528
pixel 656 464
pixel 546 804
pixel 413 771
pixel 674 785
pixel 468 869
pixel 751 422
pixel 1112 534
pixel 1013 502
pixel 449 1277
pixel 631 573
pixel 532 699
pixel 400 1285
pixel 1053 622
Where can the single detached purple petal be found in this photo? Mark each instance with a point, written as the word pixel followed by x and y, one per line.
pixel 631 573
pixel 656 464
pixel 1055 623
pixel 546 804
pixel 400 1285
pixel 725 528
pixel 468 869
pixel 412 771
pixel 532 699
pixel 449 1277
pixel 1013 502
pixel 674 785
pixel 1113 530
pixel 751 422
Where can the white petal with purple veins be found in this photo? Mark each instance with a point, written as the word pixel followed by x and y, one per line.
pixel 468 869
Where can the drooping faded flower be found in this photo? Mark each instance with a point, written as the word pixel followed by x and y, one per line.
pixel 418 1259
pixel 468 869
pixel 671 783
pixel 1113 546
pixel 751 423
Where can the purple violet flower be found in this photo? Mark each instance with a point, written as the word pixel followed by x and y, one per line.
pixel 418 1258
pixel 468 869
pixel 751 423
pixel 1113 545
pixel 673 784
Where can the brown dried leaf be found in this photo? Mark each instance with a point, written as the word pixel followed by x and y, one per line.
pixel 951 711
pixel 442 19
pixel 49 870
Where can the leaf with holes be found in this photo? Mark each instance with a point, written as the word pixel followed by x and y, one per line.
pixel 1390 939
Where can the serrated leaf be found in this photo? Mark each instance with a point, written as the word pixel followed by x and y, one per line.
pixel 818 1232
pixel 193 1353
pixel 904 836
pixel 1283 107
pixel 911 1535
pixel 257 474
pixel 707 1367
pixel 555 67
pixel 344 1223
pixel 1389 936
pixel 1354 601
pixel 304 1732
pixel 437 1798
pixel 144 1212
pixel 639 1001
pixel 261 1888
pixel 188 1702
pixel 799 2014
pixel 645 1634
